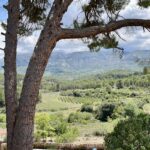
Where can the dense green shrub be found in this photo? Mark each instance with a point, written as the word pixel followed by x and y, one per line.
pixel 131 110
pixel 104 111
pixel 43 127
pixel 53 126
pixel 134 94
pixel 63 131
pixel 131 134
pixel 68 136
pixel 77 93
pixel 125 110
pixel 2 118
pixel 118 112
pixel 87 108
pixel 146 70
pixel 108 89
pixel 61 127
pixel 119 84
pixel 79 117
pixel 74 93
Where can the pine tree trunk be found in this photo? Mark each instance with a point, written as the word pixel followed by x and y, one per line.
pixel 10 67
pixel 24 127
pixel 23 117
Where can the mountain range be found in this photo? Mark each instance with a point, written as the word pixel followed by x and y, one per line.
pixel 86 63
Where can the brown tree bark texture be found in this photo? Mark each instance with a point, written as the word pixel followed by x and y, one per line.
pixel 10 67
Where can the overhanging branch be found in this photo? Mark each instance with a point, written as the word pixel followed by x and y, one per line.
pixel 94 30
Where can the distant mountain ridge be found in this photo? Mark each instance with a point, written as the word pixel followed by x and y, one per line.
pixel 81 63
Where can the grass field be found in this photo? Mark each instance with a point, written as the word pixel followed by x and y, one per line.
pixel 51 103
pixel 89 129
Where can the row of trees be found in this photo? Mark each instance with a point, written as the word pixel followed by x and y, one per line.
pixel 129 80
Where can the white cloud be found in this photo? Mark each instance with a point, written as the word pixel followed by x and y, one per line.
pixel 134 11
pixel 71 46
pixel 26 44
pixel 135 39
pixel 74 11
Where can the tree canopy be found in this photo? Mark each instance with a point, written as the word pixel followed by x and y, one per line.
pixel 33 14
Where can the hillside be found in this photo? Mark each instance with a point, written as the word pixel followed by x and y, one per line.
pixel 81 63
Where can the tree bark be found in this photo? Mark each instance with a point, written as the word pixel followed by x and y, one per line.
pixel 23 131
pixel 95 30
pixel 24 126
pixel 10 67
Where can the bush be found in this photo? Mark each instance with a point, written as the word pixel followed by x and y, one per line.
pixel 131 110
pixel 87 108
pixel 68 136
pixel 123 111
pixel 134 94
pixel 64 133
pixel 130 134
pixel 53 126
pixel 77 93
pixel 79 117
pixel 105 111
pixel 118 112
pixel 108 89
pixel 119 84
pixel 43 127
pixel 61 128
pixel 146 70
pixel 2 118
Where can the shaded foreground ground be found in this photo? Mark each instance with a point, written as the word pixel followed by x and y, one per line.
pixel 79 143
pixel 40 146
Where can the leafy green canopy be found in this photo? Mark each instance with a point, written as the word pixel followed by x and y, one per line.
pixel 144 3
pixel 101 13
pixel 33 14
pixel 130 134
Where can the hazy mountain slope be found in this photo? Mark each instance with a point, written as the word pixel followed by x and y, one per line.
pixel 81 63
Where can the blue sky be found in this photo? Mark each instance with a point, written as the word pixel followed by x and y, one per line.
pixel 136 39
pixel 3 13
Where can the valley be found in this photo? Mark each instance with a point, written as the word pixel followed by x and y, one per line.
pixel 88 108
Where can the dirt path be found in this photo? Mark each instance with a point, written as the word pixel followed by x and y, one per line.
pixel 89 140
pixel 2 134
